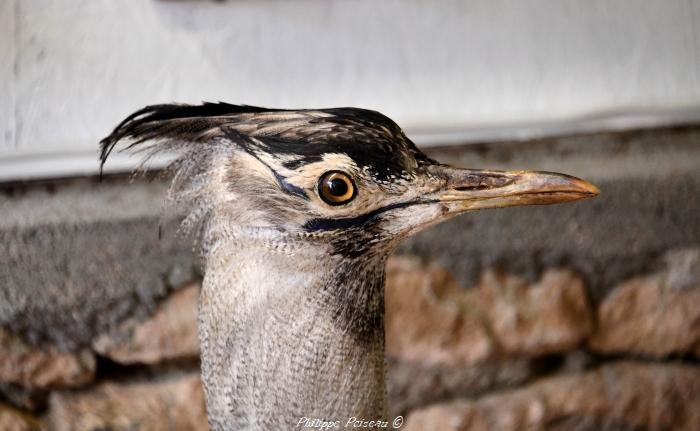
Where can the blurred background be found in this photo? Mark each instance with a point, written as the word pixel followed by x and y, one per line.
pixel 582 316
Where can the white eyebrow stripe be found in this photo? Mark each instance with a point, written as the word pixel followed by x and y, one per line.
pixel 308 174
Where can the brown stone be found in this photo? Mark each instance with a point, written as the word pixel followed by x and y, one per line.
pixel 444 341
pixel 627 395
pixel 29 366
pixel 412 385
pixel 433 321
pixel 549 316
pixel 648 316
pixel 422 327
pixel 14 420
pixel 169 334
pixel 174 403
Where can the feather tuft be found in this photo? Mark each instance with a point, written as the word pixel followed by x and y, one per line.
pixel 174 122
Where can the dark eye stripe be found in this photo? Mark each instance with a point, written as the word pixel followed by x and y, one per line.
pixel 281 180
pixel 290 188
pixel 324 224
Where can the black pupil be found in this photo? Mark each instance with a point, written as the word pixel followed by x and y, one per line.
pixel 337 187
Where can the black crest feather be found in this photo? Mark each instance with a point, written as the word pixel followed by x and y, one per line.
pixel 172 121
pixel 371 139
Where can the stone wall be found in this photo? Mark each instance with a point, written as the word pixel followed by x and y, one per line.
pixel 574 317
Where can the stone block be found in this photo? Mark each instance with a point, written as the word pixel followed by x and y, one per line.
pixel 549 316
pixel 655 315
pixel 29 366
pixel 14 420
pixel 420 327
pixel 173 403
pixel 432 321
pixel 169 334
pixel 625 395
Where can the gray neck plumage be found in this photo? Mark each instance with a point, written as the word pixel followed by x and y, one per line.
pixel 291 334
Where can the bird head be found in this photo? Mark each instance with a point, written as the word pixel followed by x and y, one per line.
pixel 346 178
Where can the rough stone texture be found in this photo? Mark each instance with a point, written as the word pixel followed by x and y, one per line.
pixel 445 342
pixel 549 316
pixel 656 315
pixel 412 384
pixel 81 257
pixel 27 399
pixel 422 327
pixel 682 268
pixel 169 334
pixel 14 420
pixel 616 396
pixel 172 403
pixel 432 321
pixel 29 366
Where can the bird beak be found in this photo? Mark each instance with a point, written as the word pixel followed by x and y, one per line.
pixel 471 189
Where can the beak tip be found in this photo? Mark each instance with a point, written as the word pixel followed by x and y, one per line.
pixel 588 189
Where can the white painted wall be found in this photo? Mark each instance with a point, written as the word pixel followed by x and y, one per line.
pixel 72 69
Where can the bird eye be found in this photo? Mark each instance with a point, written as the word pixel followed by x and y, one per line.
pixel 336 188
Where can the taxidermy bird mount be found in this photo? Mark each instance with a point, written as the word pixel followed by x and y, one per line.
pixel 295 213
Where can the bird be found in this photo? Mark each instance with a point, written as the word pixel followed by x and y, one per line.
pixel 294 214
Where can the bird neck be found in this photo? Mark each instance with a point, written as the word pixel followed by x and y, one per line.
pixel 288 335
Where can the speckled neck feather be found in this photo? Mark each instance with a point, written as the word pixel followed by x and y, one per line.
pixel 287 335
